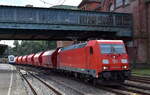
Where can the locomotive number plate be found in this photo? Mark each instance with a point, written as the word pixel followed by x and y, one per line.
pixel 115 61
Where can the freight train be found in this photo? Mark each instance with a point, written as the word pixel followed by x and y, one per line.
pixel 96 60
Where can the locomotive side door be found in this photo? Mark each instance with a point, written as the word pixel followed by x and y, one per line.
pixel 89 56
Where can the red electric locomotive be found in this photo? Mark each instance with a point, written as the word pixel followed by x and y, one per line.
pixel 97 60
pixel 104 60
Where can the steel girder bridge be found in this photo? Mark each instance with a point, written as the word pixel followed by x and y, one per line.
pixel 32 23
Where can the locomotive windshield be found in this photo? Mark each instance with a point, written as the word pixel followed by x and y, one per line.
pixel 112 48
pixel 11 58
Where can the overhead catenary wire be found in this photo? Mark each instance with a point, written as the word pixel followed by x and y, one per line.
pixel 46 2
pixel 58 1
pixel 63 2
pixel 53 4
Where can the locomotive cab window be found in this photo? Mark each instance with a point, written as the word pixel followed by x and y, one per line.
pixel 112 48
pixel 11 58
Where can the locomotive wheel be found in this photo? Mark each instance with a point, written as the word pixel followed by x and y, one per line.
pixel 75 75
pixel 94 81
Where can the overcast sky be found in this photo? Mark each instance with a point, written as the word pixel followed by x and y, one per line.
pixel 36 3
pixel 40 3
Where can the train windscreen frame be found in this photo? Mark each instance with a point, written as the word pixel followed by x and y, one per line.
pixel 112 49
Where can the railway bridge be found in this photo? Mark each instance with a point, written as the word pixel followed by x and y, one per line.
pixel 61 24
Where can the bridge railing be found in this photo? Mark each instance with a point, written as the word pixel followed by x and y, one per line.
pixel 9 14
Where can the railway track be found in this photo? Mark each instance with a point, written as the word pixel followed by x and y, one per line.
pixel 123 89
pixel 65 85
pixel 126 90
pixel 141 79
pixel 132 89
pixel 136 90
pixel 137 86
pixel 31 87
pixel 56 92
pixel 147 77
pixel 117 91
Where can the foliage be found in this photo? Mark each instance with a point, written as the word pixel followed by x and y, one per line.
pixel 28 47
pixel 142 71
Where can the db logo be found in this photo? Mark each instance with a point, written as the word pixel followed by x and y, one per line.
pixel 115 61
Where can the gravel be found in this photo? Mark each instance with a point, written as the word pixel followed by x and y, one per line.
pixel 64 84
pixel 39 87
pixel 18 86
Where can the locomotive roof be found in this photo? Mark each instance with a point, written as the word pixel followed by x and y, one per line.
pixel 49 52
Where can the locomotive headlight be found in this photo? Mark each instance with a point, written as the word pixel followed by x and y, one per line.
pixel 125 67
pixel 124 61
pixel 105 68
pixel 105 61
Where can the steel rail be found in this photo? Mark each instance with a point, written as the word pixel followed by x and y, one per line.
pixel 76 90
pixel 68 86
pixel 116 91
pixel 134 90
pixel 47 85
pixel 32 89
pixel 135 86
pixel 142 76
pixel 124 89
pixel 139 80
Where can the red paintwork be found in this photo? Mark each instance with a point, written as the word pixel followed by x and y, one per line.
pixel 30 60
pixel 20 60
pixel 114 65
pixel 81 58
pixel 24 59
pixel 16 59
pixel 54 58
pixel 49 58
pixel 38 59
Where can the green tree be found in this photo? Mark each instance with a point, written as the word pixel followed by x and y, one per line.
pixel 28 47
